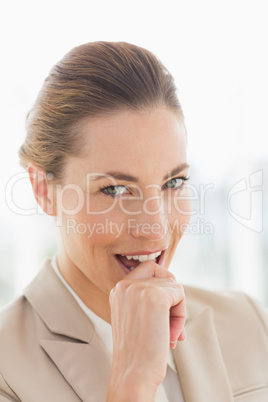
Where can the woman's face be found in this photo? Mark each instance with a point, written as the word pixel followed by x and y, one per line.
pixel 127 197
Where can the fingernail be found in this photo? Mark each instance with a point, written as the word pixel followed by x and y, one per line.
pixel 173 344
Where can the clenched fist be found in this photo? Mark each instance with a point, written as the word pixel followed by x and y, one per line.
pixel 147 317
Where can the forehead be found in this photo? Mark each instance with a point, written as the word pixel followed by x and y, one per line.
pixel 144 143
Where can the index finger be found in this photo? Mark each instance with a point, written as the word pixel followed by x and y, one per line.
pixel 150 269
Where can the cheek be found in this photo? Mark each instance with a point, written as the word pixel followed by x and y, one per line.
pixel 85 219
pixel 95 229
pixel 184 207
pixel 178 210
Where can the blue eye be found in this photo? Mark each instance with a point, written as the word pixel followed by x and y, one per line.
pixel 113 190
pixel 177 182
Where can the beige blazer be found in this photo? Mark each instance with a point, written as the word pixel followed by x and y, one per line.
pixel 49 351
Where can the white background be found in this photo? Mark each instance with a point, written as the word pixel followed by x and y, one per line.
pixel 217 52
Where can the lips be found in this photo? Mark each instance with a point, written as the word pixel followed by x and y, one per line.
pixel 130 262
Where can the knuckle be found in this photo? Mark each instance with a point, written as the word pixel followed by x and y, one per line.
pixel 153 294
pixel 181 288
pixel 128 288
pixel 121 286
pixel 111 295
pixel 134 288
pixel 172 277
pixel 118 290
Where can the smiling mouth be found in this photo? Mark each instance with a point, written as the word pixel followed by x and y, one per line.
pixel 130 262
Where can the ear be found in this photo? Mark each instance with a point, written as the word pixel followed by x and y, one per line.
pixel 43 189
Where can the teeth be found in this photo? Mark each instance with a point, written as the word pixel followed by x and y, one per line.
pixel 142 258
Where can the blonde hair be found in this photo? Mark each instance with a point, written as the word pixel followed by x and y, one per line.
pixel 92 80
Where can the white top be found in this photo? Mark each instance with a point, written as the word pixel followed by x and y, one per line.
pixel 170 389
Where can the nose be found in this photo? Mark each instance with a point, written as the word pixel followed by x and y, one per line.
pixel 151 222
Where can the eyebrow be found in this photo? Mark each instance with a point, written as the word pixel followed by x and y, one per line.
pixel 128 177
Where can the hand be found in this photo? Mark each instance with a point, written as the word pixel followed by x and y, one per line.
pixel 147 316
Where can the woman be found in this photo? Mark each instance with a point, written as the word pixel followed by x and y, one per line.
pixel 106 155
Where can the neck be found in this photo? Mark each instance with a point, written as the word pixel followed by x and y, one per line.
pixel 96 300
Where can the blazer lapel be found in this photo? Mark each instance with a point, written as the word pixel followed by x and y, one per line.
pixel 200 364
pixel 86 367
pixel 72 343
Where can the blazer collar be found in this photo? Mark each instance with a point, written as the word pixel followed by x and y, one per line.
pixel 76 350
pixel 199 361
pixel 46 293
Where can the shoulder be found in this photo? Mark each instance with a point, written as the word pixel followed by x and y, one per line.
pixel 21 328
pixel 228 307
pixel 20 324
pixel 12 316
pixel 15 319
